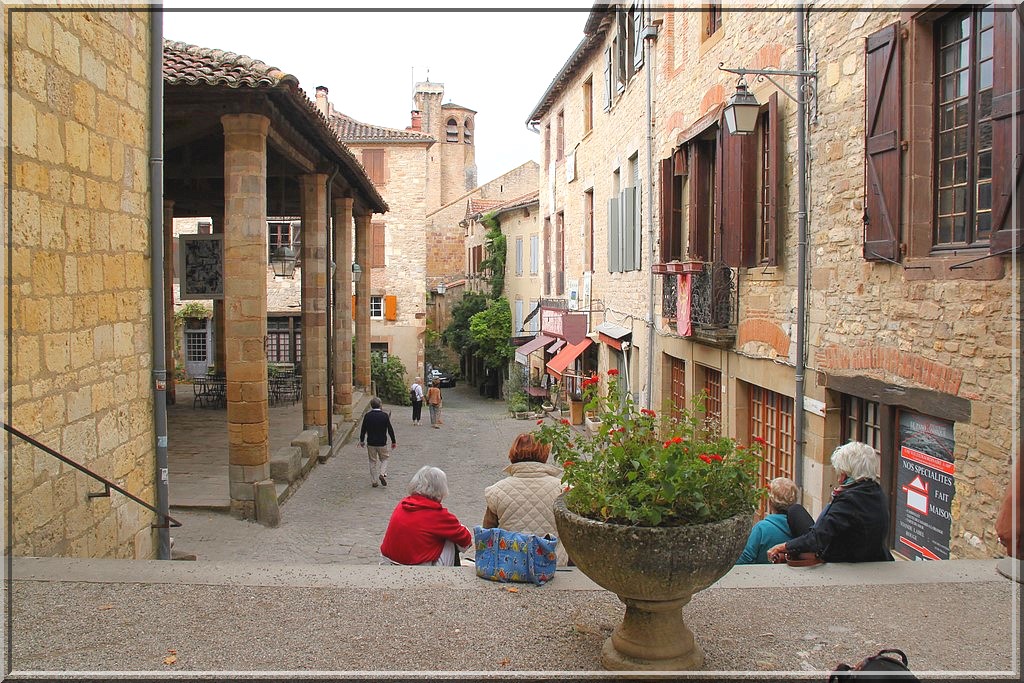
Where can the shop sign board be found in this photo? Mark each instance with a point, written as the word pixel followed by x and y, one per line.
pixel 925 486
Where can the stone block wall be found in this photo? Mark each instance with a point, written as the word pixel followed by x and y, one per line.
pixel 81 334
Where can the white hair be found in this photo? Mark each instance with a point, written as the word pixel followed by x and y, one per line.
pixel 430 482
pixel 856 459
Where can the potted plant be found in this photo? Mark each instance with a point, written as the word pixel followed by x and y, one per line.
pixel 518 405
pixel 655 509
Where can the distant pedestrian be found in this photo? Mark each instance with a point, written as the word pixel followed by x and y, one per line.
pixel 374 433
pixel 416 395
pixel 421 530
pixel 434 403
pixel 1009 520
pixel 774 528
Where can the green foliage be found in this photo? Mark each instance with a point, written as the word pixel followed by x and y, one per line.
pixel 192 309
pixel 517 403
pixel 389 378
pixel 644 470
pixel 515 394
pixel 491 330
pixel 496 246
pixel 457 334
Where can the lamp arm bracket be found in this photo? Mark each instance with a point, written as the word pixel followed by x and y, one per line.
pixel 811 89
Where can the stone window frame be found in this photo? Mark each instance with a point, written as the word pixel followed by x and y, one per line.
pixel 467 130
pixel 376 307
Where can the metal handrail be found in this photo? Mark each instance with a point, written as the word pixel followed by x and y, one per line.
pixel 169 522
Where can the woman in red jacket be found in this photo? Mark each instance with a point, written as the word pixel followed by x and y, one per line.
pixel 421 530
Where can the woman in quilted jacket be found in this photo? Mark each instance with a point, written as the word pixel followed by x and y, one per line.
pixel 524 500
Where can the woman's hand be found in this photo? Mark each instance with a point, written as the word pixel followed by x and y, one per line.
pixel 777 553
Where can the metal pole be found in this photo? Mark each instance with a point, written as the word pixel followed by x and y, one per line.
pixel 329 315
pixel 801 259
pixel 650 33
pixel 156 223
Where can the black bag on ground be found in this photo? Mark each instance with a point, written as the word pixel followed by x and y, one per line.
pixel 887 665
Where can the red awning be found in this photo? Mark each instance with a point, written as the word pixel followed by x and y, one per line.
pixel 534 344
pixel 558 364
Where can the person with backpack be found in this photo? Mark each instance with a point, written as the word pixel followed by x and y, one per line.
pixel 416 396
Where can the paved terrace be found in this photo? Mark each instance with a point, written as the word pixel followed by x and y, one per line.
pixel 955 620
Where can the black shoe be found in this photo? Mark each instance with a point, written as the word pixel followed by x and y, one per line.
pixel 383 480
pixel 373 484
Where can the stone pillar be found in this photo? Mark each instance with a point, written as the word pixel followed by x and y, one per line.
pixel 363 302
pixel 245 305
pixel 343 308
pixel 169 331
pixel 313 212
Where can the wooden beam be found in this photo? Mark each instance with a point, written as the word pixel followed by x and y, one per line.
pixel 289 151
pixel 924 401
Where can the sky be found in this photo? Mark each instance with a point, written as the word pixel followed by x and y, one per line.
pixel 496 63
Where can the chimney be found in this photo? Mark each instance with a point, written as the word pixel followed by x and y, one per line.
pixel 321 101
pixel 417 120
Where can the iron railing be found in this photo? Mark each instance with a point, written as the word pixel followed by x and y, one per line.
pixel 714 303
pixel 669 295
pixel 167 522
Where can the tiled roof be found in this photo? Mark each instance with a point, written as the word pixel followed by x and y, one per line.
pixel 518 202
pixel 477 207
pixel 350 130
pixel 190 64
pixel 452 105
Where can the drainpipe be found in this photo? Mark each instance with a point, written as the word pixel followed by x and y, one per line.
pixel 801 258
pixel 650 34
pixel 329 317
pixel 156 238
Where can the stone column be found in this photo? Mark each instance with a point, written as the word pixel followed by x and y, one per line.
pixel 169 331
pixel 343 308
pixel 314 300
pixel 363 302
pixel 245 306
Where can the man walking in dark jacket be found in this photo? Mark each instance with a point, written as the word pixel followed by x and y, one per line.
pixel 374 435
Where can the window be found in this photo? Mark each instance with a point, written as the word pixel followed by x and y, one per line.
pixel 608 92
pixel 559 253
pixel 547 256
pixel 195 346
pixel 962 116
pixel 279 340
pixel 712 18
pixel 547 146
pixel 560 136
pixel 373 162
pixel 380 349
pixel 534 254
pixel 771 419
pixel 677 387
pixel 451 131
pixel 588 230
pixel 518 321
pixel 861 421
pixel 635 27
pixel 624 226
pixel 963 93
pixel 713 164
pixel 377 307
pixel 279 235
pixel 535 320
pixel 377 250
pixel 519 256
pixel 588 105
pixel 467 132
pixel 622 53
pixel 713 389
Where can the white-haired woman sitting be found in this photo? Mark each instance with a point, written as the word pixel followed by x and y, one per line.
pixel 854 527
pixel 421 530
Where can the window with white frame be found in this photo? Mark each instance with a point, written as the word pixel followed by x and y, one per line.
pixel 518 317
pixel 535 320
pixel 519 256
pixel 377 307
pixel 534 254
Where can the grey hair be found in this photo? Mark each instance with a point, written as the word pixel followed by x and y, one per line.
pixel 375 402
pixel 857 459
pixel 430 482
pixel 782 492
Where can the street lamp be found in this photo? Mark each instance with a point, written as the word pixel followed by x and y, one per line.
pixel 357 272
pixel 283 262
pixel 742 109
pixel 741 105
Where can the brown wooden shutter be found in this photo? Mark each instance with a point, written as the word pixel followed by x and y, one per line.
pixel 700 189
pixel 774 174
pixel 390 307
pixel 377 253
pixel 353 306
pixel 669 249
pixel 1007 112
pixel 373 162
pixel 737 206
pixel 883 104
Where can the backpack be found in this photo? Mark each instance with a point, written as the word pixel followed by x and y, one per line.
pixel 412 395
pixel 883 661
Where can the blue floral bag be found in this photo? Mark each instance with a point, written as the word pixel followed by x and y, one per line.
pixel 512 556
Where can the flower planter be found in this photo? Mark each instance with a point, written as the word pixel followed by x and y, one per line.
pixel 654 571
pixel 593 424
pixel 547 407
pixel 576 412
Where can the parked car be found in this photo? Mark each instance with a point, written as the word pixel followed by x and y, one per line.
pixel 446 378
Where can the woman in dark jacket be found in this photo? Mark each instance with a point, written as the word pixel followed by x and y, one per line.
pixel 854 527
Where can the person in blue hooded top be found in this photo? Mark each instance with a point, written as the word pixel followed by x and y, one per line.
pixel 774 528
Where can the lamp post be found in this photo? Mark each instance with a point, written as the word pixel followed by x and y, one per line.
pixel 741 117
pixel 283 262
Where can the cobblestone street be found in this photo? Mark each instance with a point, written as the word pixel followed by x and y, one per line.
pixel 336 516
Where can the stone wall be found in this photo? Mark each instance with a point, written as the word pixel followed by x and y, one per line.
pixel 81 335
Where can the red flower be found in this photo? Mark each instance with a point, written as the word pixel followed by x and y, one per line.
pixel 715 457
pixel 613 372
pixel 566 422
pixel 540 421
pixel 568 463
pixel 759 440
pixel 677 439
pixel 648 413
pixel 705 458
pixel 668 443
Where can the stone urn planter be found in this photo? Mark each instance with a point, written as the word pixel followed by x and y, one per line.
pixel 654 571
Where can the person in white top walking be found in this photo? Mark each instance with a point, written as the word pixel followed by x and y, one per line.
pixel 416 396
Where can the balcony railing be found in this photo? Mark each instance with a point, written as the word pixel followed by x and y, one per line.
pixel 714 303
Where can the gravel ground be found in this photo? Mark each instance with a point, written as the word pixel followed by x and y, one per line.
pixel 74 626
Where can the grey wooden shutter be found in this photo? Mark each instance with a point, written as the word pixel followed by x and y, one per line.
pixel 637 232
pixel 613 236
pixel 628 249
pixel 883 102
pixel 608 79
pixel 774 143
pixel 638 42
pixel 1007 112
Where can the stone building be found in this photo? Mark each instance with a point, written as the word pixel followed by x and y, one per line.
pixel 88 303
pixel 910 311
